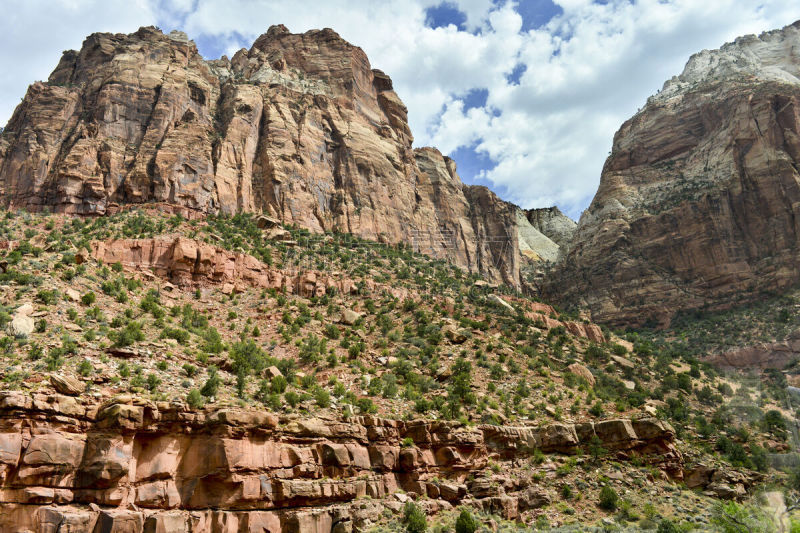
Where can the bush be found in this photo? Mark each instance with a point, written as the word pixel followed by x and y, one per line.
pixel 278 384
pixel 322 397
pixel 466 522
pixel 666 526
pixel 596 409
pixel 85 368
pixel 414 518
pixel 608 499
pixel 48 297
pixel 212 384
pixel 88 298
pixel 292 398
pixel 195 399
pixel 130 334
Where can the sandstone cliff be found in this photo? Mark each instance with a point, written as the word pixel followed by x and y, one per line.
pixel 299 127
pixel 699 200
pixel 133 466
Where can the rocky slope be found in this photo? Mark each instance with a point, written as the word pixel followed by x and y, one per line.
pixel 223 374
pixel 299 127
pixel 699 200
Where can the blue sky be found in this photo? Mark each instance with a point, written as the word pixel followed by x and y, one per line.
pixel 525 95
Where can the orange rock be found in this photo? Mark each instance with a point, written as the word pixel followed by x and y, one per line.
pixel 168 128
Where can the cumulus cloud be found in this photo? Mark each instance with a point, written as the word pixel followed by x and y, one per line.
pixel 551 95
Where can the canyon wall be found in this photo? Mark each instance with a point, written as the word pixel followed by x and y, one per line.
pixel 699 201
pixel 299 127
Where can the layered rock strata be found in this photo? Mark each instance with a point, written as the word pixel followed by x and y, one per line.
pixel 699 200
pixel 299 127
pixel 134 466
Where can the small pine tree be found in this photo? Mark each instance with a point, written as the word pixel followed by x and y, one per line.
pixel 414 518
pixel 211 386
pixel 466 522
pixel 608 499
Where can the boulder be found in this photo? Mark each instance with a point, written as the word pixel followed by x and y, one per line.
pixel 582 372
pixel 72 294
pixel 21 326
pixel 455 334
pixel 67 385
pixel 350 317
pixel 623 362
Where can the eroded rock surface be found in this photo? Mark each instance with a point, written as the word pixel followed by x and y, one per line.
pixel 699 200
pixel 134 466
pixel 299 127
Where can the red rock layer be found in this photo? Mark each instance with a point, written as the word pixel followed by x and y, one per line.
pixel 132 467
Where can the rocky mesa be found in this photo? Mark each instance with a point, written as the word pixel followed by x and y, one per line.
pixel 299 127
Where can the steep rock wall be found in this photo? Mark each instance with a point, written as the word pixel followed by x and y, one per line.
pixel 299 127
pixel 699 200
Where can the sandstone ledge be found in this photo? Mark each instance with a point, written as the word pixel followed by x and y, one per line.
pixel 132 465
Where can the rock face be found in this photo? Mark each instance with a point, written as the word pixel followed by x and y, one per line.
pixel 552 223
pixel 699 200
pixel 298 127
pixel 776 355
pixel 134 466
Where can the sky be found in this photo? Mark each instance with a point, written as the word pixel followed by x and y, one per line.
pixel 525 95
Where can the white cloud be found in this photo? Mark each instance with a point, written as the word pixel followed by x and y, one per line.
pixel 587 70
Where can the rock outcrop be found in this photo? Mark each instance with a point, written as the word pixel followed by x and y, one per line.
pixel 189 263
pixel 299 127
pixel 699 200
pixel 552 223
pixel 777 355
pixel 135 466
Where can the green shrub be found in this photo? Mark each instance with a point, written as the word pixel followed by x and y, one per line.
pixel 278 384
pixel 195 399
pixel 85 368
pixel 466 522
pixel 48 297
pixel 322 397
pixel 153 381
pixel 413 517
pixel 131 333
pixel 88 299
pixel 666 526
pixel 292 398
pixel 608 499
pixel 596 409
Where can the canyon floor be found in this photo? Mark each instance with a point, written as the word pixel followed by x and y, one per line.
pixel 233 374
